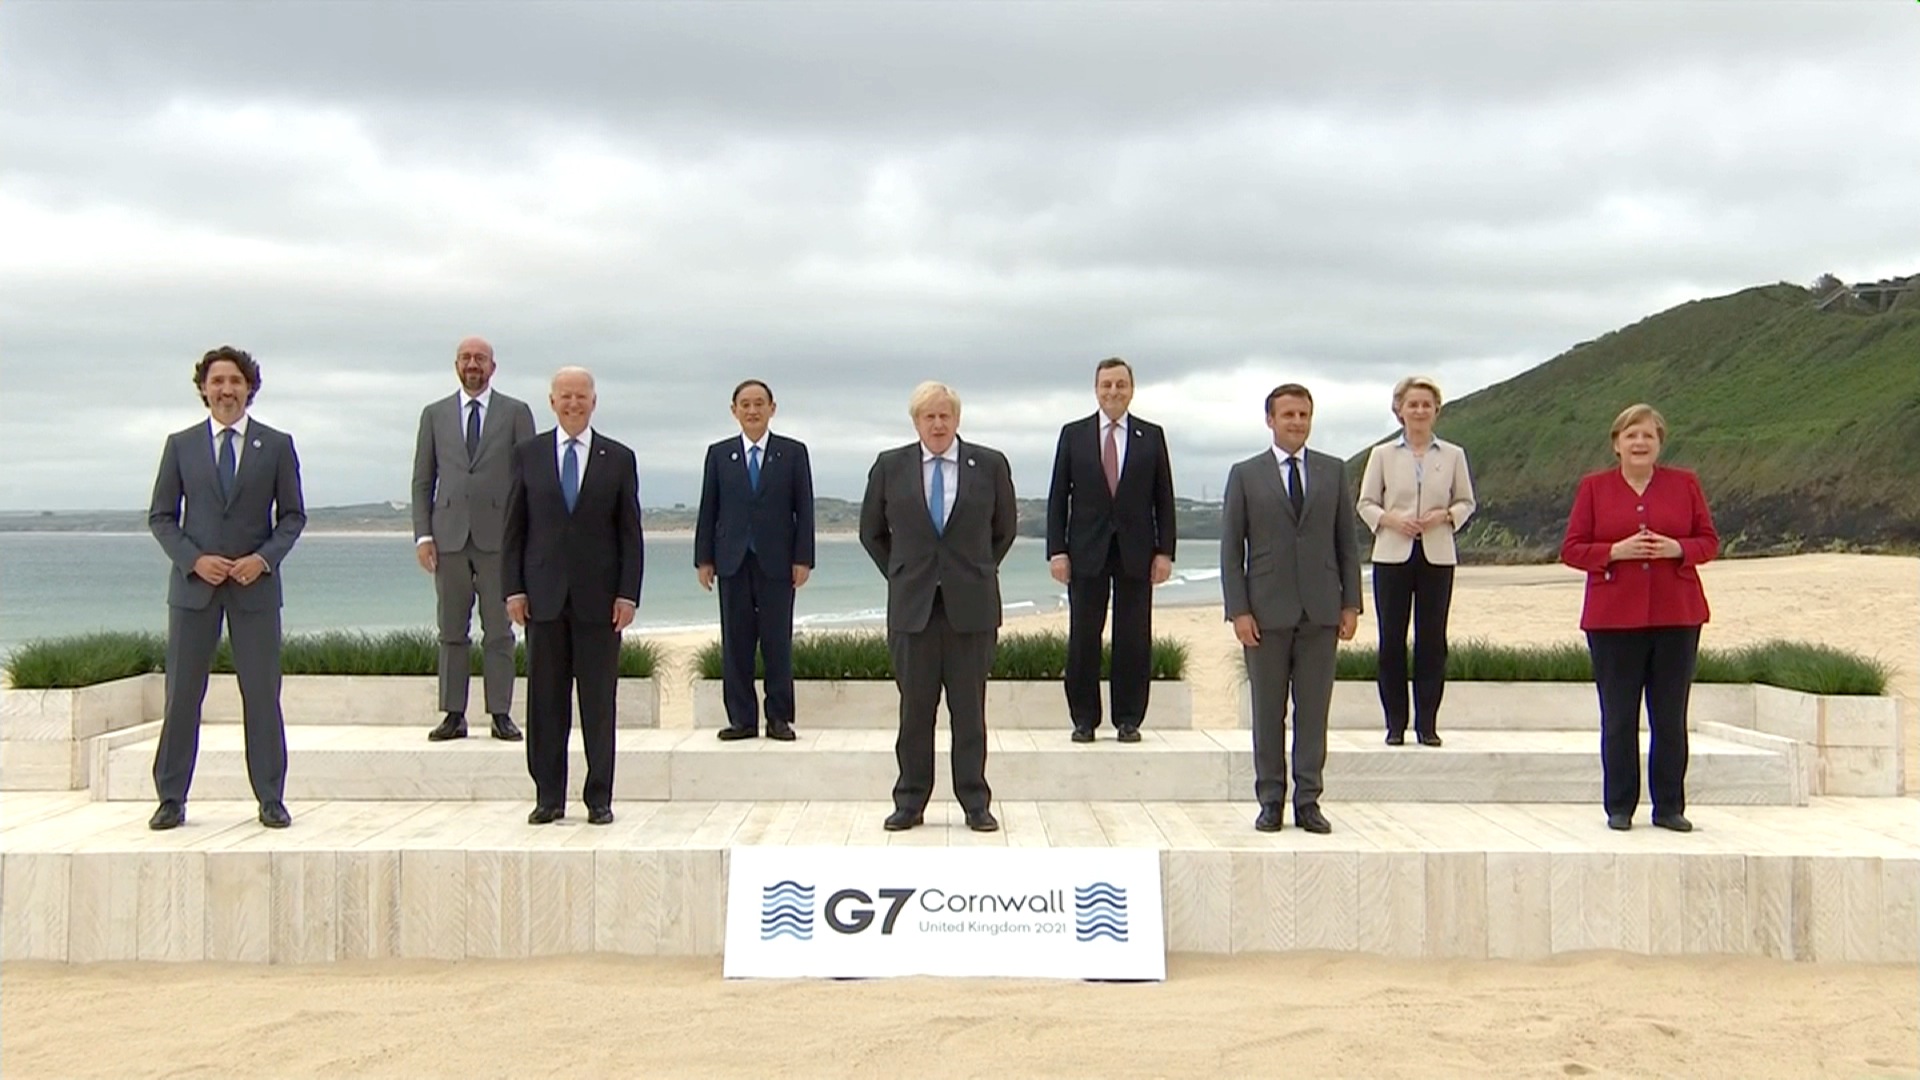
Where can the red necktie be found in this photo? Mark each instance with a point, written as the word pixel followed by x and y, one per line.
pixel 1110 460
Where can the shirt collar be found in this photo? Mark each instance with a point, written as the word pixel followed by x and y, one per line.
pixel 485 398
pixel 560 437
pixel 1400 440
pixel 762 444
pixel 952 454
pixel 239 427
pixel 1125 419
pixel 1280 454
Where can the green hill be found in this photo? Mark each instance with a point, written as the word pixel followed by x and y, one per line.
pixel 1803 424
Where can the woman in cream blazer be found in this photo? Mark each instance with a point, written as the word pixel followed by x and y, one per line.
pixel 1415 494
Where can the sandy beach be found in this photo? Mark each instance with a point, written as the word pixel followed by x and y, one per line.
pixel 1317 1014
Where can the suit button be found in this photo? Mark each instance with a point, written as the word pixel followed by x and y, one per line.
pixel 1646 566
pixel 1640 509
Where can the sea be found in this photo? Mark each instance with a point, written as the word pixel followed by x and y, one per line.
pixel 55 584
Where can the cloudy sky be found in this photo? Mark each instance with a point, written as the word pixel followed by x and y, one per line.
pixel 844 199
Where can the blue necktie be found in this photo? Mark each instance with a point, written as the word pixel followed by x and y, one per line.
pixel 473 429
pixel 226 464
pixel 570 475
pixel 753 467
pixel 937 501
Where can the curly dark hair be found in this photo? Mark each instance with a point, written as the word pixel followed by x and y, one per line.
pixel 239 358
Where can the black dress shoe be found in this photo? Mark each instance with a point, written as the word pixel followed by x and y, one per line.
pixel 600 815
pixel 453 727
pixel 901 820
pixel 274 815
pixel 982 820
pixel 781 730
pixel 1082 734
pixel 1396 738
pixel 1129 734
pixel 1675 822
pixel 505 729
pixel 1429 740
pixel 1269 819
pixel 734 734
pixel 546 815
pixel 169 815
pixel 1619 822
pixel 1311 819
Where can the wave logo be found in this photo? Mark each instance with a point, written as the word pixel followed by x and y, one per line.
pixel 1100 911
pixel 786 910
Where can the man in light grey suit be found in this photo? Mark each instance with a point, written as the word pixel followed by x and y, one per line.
pixel 1291 577
pixel 462 469
pixel 937 518
pixel 226 509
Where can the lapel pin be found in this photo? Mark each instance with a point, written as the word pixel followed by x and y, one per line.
pixel 735 456
pixel 256 444
pixel 969 463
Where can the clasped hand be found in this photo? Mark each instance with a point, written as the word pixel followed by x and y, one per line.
pixel 216 569
pixel 1645 544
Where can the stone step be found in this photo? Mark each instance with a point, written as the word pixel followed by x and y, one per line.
pixel 381 763
pixel 1011 705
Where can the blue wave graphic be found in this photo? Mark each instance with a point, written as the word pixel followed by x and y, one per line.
pixel 786 910
pixel 1100 911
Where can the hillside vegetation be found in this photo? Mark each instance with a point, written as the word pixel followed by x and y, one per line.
pixel 1803 425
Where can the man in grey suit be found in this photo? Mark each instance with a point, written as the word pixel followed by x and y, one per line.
pixel 1291 576
pixel 937 518
pixel 226 509
pixel 461 473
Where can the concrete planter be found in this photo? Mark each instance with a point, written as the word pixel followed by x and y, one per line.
pixel 1012 705
pixel 403 700
pixel 1517 706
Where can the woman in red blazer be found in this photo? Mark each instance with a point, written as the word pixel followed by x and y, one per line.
pixel 1640 532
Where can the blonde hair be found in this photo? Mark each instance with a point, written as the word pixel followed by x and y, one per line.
pixel 1635 414
pixel 1414 382
pixel 926 394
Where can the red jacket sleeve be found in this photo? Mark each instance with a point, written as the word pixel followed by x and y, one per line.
pixel 1578 548
pixel 1703 543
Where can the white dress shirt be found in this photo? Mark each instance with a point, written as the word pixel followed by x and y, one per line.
pixel 560 437
pixel 466 408
pixel 747 445
pixel 950 463
pixel 1280 455
pixel 239 440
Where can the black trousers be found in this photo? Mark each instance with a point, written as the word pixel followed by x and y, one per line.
pixel 578 651
pixel 756 612
pixel 1088 591
pixel 1655 665
pixel 1424 591
pixel 924 664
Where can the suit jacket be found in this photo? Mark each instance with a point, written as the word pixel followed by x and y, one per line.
pixel 1083 518
pixel 1648 593
pixel 777 519
pixel 1280 570
pixel 1390 483
pixel 190 518
pixel 963 562
pixel 590 556
pixel 457 499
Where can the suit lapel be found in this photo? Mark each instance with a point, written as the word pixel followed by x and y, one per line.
pixel 491 424
pixel 251 458
pixel 1270 473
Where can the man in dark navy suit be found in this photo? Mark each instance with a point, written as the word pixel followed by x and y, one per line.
pixel 572 562
pixel 755 535
pixel 1110 535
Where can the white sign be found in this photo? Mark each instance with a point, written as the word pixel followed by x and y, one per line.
pixel 1062 913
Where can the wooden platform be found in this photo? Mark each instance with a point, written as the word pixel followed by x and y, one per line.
pixel 1728 766
pixel 84 880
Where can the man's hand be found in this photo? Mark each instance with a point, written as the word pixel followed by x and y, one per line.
pixel 622 614
pixel 1246 630
pixel 1060 568
pixel 705 573
pixel 800 574
pixel 429 555
pixel 1162 570
pixel 1349 623
pixel 212 569
pixel 1400 523
pixel 517 609
pixel 247 569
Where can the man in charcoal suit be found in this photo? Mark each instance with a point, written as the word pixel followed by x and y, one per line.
pixel 1291 577
pixel 1110 535
pixel 226 509
pixel 754 534
pixel 460 483
pixel 937 518
pixel 572 562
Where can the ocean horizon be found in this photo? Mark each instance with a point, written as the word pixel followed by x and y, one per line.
pixel 57 584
